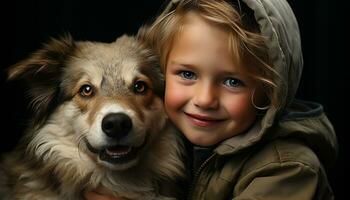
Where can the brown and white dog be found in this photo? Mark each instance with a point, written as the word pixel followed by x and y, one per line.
pixel 98 122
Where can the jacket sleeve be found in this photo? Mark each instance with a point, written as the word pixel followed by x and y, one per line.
pixel 275 181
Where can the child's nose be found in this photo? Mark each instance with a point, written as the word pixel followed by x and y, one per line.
pixel 206 97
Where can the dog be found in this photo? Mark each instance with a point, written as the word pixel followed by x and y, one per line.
pixel 98 123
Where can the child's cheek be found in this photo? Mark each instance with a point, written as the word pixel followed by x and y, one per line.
pixel 173 97
pixel 240 109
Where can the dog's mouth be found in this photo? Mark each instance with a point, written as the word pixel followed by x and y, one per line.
pixel 117 154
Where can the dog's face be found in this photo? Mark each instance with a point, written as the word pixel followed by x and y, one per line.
pixel 104 98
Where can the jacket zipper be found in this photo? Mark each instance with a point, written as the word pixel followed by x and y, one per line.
pixel 196 175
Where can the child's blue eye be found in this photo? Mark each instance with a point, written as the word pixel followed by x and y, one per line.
pixel 233 82
pixel 187 75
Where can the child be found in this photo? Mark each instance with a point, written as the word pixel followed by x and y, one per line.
pixel 232 69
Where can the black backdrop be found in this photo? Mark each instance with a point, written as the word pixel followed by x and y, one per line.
pixel 25 25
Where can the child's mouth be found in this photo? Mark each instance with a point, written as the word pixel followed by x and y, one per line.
pixel 203 121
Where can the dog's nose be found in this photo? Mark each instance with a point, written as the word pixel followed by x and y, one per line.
pixel 116 125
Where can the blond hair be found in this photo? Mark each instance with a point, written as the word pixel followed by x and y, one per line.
pixel 246 44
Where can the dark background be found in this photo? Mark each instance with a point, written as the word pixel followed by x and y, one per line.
pixel 25 25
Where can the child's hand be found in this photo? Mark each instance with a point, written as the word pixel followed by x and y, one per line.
pixel 93 195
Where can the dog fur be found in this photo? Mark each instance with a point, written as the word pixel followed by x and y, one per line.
pixel 65 152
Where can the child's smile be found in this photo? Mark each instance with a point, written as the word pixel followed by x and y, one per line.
pixel 203 120
pixel 207 95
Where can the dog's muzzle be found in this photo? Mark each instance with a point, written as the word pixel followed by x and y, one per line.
pixel 116 126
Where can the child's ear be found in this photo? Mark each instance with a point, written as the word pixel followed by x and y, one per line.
pixel 42 73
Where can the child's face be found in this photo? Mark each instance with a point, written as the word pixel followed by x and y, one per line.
pixel 206 96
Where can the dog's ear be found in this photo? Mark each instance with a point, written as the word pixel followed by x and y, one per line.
pixel 42 73
pixel 47 61
pixel 154 72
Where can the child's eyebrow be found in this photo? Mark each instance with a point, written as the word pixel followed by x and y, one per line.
pixel 183 64
pixel 232 72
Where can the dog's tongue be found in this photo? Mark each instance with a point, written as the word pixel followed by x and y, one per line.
pixel 118 150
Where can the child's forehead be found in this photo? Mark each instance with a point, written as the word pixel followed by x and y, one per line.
pixel 198 32
pixel 194 24
pixel 192 17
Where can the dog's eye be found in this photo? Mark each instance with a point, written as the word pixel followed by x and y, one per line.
pixel 86 90
pixel 140 87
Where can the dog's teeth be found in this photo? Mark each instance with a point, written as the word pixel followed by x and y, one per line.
pixel 118 151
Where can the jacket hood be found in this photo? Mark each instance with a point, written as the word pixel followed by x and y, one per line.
pixel 278 24
pixel 293 118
